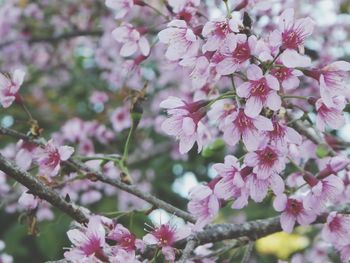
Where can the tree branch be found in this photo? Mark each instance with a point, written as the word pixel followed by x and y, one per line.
pixel 114 182
pixel 39 189
pixel 53 39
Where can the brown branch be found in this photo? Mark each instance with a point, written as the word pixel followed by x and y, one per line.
pixel 114 182
pixel 53 39
pixel 37 188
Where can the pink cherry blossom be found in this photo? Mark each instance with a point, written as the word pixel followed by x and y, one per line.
pixel 120 119
pixel 216 31
pixel 292 211
pixel 294 32
pixel 131 39
pixel 266 161
pixel 185 122
pixel 330 115
pixel 236 52
pixel 332 80
pixel 337 229
pixel 260 90
pixel 124 238
pixel 165 236
pixel 181 40
pixel 88 243
pixel 239 125
pixel 121 7
pixel 203 204
pixel 50 157
pixel 98 97
pixel 10 86
pixel 323 191
pixel 281 135
pixel 287 77
pixel 28 201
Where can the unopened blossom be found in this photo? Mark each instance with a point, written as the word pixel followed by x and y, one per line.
pixel 293 211
pixel 333 165
pixel 337 229
pixel 238 125
pixel 184 122
pixel 236 52
pixel 120 118
pixel 322 191
pixel 131 39
pixel 121 7
pixel 10 86
pixel 260 90
pixel 332 116
pixel 266 161
pixel 287 77
pixel 165 236
pixel 50 157
pixel 216 31
pixel 203 204
pixel 88 243
pixel 181 40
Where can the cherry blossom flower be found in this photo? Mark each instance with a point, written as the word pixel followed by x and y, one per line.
pixel 165 236
pixel 238 125
pixel 288 77
pixel 219 111
pixel 236 52
pixel 330 115
pixel 332 80
pixel 120 119
pixel 99 97
pixel 322 191
pixel 28 201
pixel 124 238
pixel 203 204
pixel 216 31
pixel 181 40
pixel 292 211
pixel 121 7
pixel 200 70
pixel 282 134
pixel 131 39
pixel 337 229
pixel 184 122
pixel 259 91
pixel 231 185
pixel 294 32
pixel 88 243
pixel 50 157
pixel 10 86
pixel 24 156
pixel 266 161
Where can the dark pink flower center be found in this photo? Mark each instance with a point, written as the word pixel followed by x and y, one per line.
pixel 278 131
pixel 259 88
pixel 127 242
pixel 92 246
pixel 281 73
pixel 292 38
pixel 294 206
pixel 222 29
pixel 165 235
pixel 53 159
pixel 243 122
pixel 335 224
pixel 242 52
pixel 267 157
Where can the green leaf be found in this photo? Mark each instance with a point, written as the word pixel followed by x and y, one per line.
pixel 211 149
pixel 322 151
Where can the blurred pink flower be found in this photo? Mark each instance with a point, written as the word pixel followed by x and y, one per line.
pixel 10 87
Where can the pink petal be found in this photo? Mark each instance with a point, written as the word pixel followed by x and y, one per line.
pixel 287 222
pixel 253 107
pixel 65 152
pixel 280 202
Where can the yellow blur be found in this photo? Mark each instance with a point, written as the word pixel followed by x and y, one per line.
pixel 281 244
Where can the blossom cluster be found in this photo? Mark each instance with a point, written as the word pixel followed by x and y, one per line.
pixel 256 90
